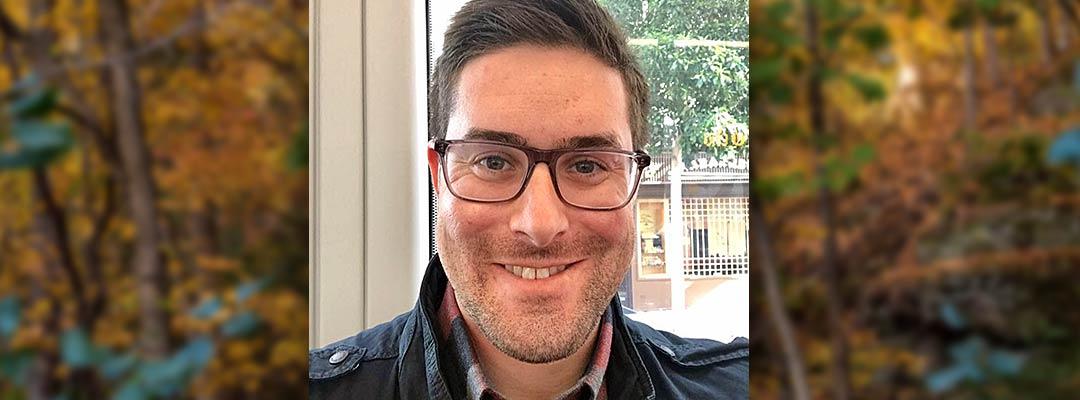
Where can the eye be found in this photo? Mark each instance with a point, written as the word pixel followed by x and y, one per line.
pixel 585 167
pixel 493 162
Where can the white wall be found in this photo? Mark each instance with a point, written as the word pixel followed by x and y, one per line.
pixel 368 220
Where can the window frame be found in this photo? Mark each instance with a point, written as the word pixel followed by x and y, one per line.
pixel 368 230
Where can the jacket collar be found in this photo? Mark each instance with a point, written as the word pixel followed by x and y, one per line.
pixel 626 375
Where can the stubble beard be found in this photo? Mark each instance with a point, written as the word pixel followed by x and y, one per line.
pixel 547 332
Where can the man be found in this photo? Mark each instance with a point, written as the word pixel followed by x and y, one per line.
pixel 537 114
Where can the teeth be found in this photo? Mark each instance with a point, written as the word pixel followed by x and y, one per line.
pixel 534 273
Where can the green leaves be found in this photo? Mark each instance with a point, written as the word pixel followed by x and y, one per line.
pixel 248 289
pixel 137 377
pixel 778 187
pixel 952 316
pixel 242 324
pixel 76 350
pixel 115 367
pixel 10 313
pixel 987 4
pixel 15 365
pixel 168 377
pixel 870 89
pixel 767 70
pixel 141 378
pixel 874 37
pixel 38 144
pixel 840 174
pixel 34 105
pixel 296 159
pixel 973 360
pixel 37 140
pixel 1065 149
pixel 689 83
pixel 779 11
pixel 207 308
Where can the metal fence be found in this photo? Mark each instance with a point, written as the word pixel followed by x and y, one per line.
pixel 715 236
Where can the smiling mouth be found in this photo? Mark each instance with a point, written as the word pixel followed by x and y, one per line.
pixel 530 273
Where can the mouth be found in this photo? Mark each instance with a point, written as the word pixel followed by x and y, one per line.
pixel 536 273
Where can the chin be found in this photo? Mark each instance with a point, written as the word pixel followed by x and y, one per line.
pixel 538 340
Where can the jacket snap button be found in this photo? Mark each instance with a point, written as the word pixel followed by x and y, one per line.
pixel 338 357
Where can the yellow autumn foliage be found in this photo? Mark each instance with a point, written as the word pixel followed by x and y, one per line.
pixel 223 90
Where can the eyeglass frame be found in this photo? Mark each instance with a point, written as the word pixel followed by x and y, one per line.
pixel 536 156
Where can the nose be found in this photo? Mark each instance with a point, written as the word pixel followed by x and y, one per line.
pixel 540 216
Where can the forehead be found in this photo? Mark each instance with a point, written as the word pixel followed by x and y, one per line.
pixel 545 95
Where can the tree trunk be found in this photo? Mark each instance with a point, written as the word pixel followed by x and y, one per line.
pixel 1046 33
pixel 834 296
pixel 993 72
pixel 136 165
pixel 202 49
pixel 792 356
pixel 1068 16
pixel 970 107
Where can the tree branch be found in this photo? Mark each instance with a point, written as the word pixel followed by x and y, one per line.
pixel 61 237
pixel 191 26
pixel 97 131
pixel 777 316
pixel 8 27
pixel 1067 7
pixel 93 251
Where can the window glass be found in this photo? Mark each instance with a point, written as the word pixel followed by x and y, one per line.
pixel 651 219
pixel 692 271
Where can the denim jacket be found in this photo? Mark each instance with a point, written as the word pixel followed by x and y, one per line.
pixel 400 359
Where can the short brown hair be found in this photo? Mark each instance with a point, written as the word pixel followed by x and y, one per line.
pixel 483 26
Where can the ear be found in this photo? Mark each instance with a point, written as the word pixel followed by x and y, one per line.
pixel 433 168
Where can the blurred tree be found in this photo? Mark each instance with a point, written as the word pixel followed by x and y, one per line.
pixel 906 193
pixel 153 213
pixel 127 115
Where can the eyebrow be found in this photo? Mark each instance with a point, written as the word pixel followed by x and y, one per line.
pixel 600 140
pixel 495 136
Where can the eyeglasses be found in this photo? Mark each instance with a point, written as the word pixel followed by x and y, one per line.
pixel 491 172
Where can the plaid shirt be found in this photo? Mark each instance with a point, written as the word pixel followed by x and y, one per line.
pixel 455 336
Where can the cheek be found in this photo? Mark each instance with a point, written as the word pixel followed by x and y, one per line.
pixel 462 218
pixel 612 225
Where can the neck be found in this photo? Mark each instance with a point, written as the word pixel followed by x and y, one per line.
pixel 515 379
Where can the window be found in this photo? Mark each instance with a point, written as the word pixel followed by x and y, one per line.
pixel 692 272
pixel 651 217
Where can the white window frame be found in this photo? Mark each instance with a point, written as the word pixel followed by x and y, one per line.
pixel 368 185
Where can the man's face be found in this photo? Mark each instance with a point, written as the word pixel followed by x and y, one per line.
pixel 547 98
